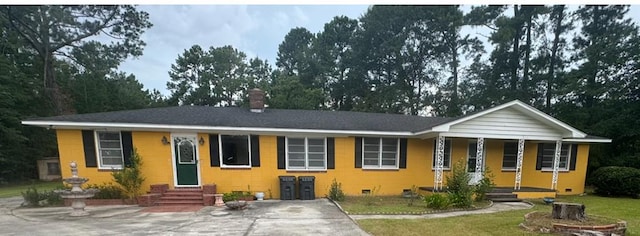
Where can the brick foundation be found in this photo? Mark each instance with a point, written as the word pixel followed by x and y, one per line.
pixel 209 199
pixel 209 189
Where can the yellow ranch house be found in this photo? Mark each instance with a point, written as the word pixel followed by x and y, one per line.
pixel 529 153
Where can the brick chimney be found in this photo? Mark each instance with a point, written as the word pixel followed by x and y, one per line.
pixel 256 100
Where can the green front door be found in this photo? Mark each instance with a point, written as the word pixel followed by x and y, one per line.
pixel 185 153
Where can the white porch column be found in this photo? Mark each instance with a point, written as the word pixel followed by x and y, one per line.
pixel 556 165
pixel 479 159
pixel 437 185
pixel 519 158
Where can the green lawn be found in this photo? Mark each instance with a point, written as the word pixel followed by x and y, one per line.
pixel 15 190
pixel 504 223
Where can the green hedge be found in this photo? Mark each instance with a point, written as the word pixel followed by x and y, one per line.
pixel 617 181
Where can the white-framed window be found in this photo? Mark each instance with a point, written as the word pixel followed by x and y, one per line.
pixel 235 150
pixel 548 153
pixel 447 154
pixel 304 153
pixel 109 146
pixel 380 153
pixel 510 156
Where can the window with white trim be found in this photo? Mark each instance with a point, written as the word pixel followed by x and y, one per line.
pixel 380 153
pixel 548 154
pixel 109 149
pixel 235 150
pixel 447 154
pixel 510 156
pixel 306 153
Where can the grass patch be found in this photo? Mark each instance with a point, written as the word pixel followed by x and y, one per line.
pixel 387 205
pixel 15 190
pixel 504 223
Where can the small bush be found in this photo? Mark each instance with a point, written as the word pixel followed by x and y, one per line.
pixel 33 198
pixel 232 196
pixel 130 177
pixel 371 198
pixel 485 185
pixel 413 194
pixel 335 191
pixel 53 198
pixel 437 201
pixel 460 192
pixel 107 191
pixel 617 181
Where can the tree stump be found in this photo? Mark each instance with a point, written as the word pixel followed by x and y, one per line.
pixel 568 211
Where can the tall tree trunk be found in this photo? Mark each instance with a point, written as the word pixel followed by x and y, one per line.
pixel 558 12
pixel 515 57
pixel 454 106
pixel 591 77
pixel 525 77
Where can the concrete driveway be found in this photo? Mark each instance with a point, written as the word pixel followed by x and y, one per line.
pixel 274 217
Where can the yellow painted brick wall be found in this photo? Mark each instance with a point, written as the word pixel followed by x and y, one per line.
pixel 353 180
pixel 158 167
pixel 494 154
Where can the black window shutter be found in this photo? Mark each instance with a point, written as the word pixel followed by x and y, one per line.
pixel 403 153
pixel 88 142
pixel 540 154
pixel 331 153
pixel 358 153
pixel 281 159
pixel 214 152
pixel 574 153
pixel 127 147
pixel 255 150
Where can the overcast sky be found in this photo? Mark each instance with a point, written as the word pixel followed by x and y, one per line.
pixel 254 29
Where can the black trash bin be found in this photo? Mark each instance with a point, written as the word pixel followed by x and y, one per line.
pixel 287 187
pixel 307 187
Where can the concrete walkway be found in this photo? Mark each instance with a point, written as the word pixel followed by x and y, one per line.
pixel 496 207
pixel 273 217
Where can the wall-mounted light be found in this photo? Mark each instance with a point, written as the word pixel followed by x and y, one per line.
pixel 201 141
pixel 164 140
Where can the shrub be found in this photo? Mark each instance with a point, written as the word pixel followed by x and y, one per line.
pixel 53 198
pixel 437 201
pixel 617 181
pixel 370 198
pixel 460 192
pixel 232 196
pixel 413 194
pixel 31 197
pixel 130 177
pixel 107 191
pixel 335 191
pixel 34 198
pixel 485 185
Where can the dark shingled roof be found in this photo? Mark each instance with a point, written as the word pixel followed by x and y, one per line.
pixel 270 118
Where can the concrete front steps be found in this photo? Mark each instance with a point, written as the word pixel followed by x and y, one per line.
pixel 503 197
pixel 181 196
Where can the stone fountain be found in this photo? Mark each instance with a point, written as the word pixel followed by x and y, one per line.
pixel 77 194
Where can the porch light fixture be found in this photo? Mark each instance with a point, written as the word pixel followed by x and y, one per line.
pixel 201 141
pixel 164 140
